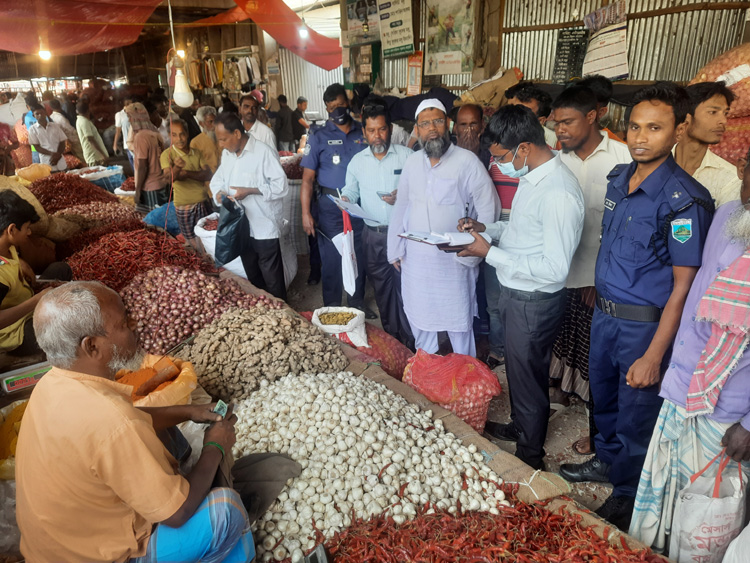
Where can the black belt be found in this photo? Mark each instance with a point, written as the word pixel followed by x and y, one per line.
pixel 378 229
pixel 641 313
pixel 329 191
pixel 530 295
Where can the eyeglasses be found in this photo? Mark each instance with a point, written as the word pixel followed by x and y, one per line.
pixel 373 107
pixel 436 122
pixel 501 159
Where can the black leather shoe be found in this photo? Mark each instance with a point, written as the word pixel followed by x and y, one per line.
pixel 370 314
pixel 592 470
pixel 507 432
pixel 618 511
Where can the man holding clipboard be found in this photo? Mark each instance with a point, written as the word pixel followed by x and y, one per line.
pixel 372 180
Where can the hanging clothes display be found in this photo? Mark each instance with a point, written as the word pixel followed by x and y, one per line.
pixel 242 66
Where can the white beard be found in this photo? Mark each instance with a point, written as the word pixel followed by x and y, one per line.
pixel 738 225
pixel 211 135
pixel 119 361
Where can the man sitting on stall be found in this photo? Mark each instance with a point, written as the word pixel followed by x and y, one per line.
pixel 94 481
pixel 49 141
pixel 17 280
pixel 187 171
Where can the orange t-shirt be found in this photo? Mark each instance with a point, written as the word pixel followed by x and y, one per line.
pixel 147 146
pixel 92 476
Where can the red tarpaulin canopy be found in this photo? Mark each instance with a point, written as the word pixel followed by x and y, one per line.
pixel 71 27
pixel 280 22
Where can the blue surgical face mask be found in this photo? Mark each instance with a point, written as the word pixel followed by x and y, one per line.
pixel 340 115
pixel 508 169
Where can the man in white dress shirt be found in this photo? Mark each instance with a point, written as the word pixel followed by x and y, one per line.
pixel 249 108
pixel 532 259
pixel 49 141
pixel 251 173
pixel 58 117
pixel 438 185
pixel 591 155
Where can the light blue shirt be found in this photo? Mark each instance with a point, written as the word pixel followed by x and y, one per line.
pixel 366 176
pixel 535 247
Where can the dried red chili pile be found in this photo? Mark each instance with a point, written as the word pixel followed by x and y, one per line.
pixel 85 238
pixel 128 185
pixel 117 258
pixel 211 224
pixel 96 214
pixel 523 533
pixel 61 191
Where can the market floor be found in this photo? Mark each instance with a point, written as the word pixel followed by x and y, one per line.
pixel 566 425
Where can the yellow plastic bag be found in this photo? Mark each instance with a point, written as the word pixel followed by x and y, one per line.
pixel 176 393
pixel 34 172
pixel 10 434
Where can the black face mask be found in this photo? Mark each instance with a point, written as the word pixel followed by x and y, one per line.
pixel 340 115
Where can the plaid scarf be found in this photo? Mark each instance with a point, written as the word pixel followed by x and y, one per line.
pixel 726 305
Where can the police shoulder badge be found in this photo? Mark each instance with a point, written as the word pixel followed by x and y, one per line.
pixel 336 159
pixel 307 148
pixel 682 229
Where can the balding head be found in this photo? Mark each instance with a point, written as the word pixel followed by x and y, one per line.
pixel 469 127
pixel 82 325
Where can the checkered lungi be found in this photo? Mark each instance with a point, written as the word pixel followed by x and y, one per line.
pixel 189 215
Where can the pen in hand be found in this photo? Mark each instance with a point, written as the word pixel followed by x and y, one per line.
pixel 466 219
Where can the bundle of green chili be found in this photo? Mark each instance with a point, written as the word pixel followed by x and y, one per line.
pixel 115 259
pixel 522 533
pixel 61 191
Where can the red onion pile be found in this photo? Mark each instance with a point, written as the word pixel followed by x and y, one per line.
pixel 170 304
pixel 61 191
pixel 95 214
pixel 292 168
pixel 117 258
pixel 211 224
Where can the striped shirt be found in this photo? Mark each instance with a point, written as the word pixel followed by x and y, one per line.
pixel 366 176
pixel 506 187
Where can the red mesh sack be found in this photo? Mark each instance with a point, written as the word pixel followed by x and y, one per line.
pixel 389 352
pixel 22 156
pixel 736 140
pixel 21 132
pixel 461 384
pixel 725 62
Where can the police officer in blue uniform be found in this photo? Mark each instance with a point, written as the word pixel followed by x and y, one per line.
pixel 655 222
pixel 327 154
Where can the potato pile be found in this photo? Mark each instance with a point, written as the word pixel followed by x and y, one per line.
pixel 242 347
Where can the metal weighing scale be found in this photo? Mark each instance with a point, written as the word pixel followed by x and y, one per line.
pixel 22 379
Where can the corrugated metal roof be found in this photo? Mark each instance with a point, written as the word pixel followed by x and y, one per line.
pixel 301 78
pixel 666 47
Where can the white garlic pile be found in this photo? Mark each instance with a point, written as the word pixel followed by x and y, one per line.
pixel 360 446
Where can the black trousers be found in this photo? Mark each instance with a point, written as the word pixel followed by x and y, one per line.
pixel 264 267
pixel 386 280
pixel 531 321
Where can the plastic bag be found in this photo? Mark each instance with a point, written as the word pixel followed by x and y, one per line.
pixel 166 213
pixel 739 548
pixel 233 232
pixel 355 329
pixel 34 172
pixel 208 238
pixel 708 514
pixel 461 384
pixel 344 243
pixel 382 348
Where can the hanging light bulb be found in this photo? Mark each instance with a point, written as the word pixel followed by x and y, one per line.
pixel 182 95
pixel 181 53
pixel 45 55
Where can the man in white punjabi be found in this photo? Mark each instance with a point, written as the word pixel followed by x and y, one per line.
pixel 440 184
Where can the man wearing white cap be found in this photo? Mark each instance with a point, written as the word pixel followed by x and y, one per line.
pixel 439 185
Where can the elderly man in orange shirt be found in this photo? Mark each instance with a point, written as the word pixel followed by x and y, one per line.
pixel 95 483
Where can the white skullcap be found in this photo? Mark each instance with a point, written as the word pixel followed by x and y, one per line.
pixel 428 104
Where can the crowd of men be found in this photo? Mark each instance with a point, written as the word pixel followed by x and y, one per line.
pixel 598 262
pixel 596 254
